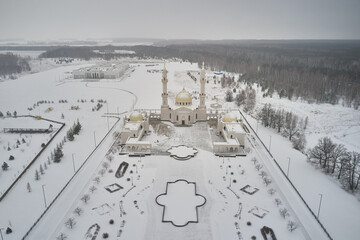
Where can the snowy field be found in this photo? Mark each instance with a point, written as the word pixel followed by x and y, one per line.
pixel 142 89
pixel 22 147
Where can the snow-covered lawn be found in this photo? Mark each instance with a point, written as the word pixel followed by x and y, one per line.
pixel 22 147
pixel 21 94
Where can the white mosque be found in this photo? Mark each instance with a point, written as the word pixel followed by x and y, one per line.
pixel 183 113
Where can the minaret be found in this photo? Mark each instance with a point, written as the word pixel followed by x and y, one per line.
pixel 165 111
pixel 202 89
pixel 164 94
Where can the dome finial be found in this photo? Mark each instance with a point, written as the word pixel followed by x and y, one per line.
pixel 164 64
pixel 203 65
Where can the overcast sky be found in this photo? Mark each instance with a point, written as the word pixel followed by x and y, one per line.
pixel 180 19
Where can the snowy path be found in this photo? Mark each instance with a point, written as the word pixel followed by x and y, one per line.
pixel 57 211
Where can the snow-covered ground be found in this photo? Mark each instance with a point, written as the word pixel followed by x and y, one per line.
pixel 340 211
pixel 23 147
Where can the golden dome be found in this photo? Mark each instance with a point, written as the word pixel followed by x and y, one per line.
pixel 230 117
pixel 136 117
pixel 183 98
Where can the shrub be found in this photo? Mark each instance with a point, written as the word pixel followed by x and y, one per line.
pixel 248 223
pixel 105 235
pixel 11 157
pixel 111 221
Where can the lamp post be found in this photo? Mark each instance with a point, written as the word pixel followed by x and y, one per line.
pixel 135 168
pixel 321 195
pixel 287 174
pixel 94 139
pixel 270 143
pixel 107 116
pixel 44 195
pixel 73 161
pixel 2 238
pixel 229 166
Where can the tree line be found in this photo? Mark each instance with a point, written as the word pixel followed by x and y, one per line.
pixel 286 123
pixel 12 64
pixel 337 161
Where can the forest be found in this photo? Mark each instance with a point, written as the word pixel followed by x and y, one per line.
pixel 321 71
pixel 11 64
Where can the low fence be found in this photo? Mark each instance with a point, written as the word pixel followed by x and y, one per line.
pixel 75 174
pixel 35 158
pixel 288 179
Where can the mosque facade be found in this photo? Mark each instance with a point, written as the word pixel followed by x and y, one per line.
pixel 183 113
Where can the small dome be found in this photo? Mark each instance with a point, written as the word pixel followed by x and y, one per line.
pixel 230 117
pixel 135 117
pixel 183 98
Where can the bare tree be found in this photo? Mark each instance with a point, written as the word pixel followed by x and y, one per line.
pixel 351 175
pixel 62 236
pixel 70 223
pixel 322 152
pixel 78 211
pixel 258 167
pixel 92 189
pixel 102 172
pixel 271 191
pixel 291 225
pixel 85 198
pixel 277 202
pixel 284 212
pixel 266 181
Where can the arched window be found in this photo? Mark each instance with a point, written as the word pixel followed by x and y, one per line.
pixel 170 115
pixel 196 115
pixel 189 117
pixel 177 118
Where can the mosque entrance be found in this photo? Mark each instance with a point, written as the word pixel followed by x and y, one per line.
pixel 183 122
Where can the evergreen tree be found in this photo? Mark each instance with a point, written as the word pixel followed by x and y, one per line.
pixel 5 166
pixel 70 135
pixel 37 175
pixel 41 170
pixel 28 187
pixel 229 96
pixel 1 114
pixel 58 155
pixel 77 127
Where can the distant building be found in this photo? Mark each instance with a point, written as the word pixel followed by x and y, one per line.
pixel 101 71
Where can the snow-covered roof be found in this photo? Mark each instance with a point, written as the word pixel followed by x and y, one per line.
pixel 234 127
pixel 136 117
pixel 230 117
pixel 132 126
